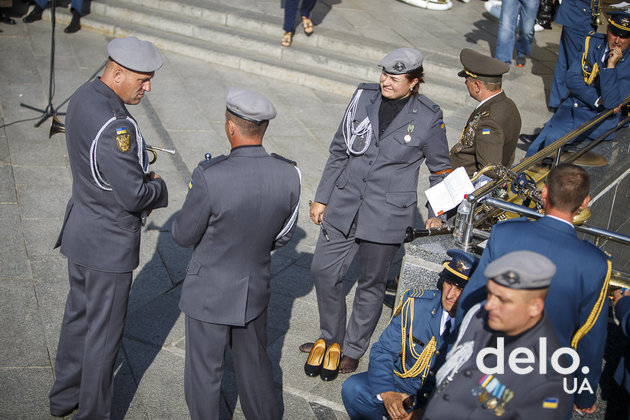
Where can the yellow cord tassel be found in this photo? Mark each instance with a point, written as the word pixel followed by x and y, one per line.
pixel 588 76
pixel 423 360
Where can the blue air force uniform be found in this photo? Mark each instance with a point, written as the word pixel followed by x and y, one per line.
pixel 588 79
pixel 422 313
pixel 412 347
pixel 576 303
pixel 575 17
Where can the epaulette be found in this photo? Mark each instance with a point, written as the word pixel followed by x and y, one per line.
pixel 413 294
pixel 429 103
pixel 369 86
pixel 204 164
pixel 277 156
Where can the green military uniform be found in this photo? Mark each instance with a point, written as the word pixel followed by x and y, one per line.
pixel 491 132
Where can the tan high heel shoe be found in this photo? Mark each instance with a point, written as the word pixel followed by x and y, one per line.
pixel 330 367
pixel 313 365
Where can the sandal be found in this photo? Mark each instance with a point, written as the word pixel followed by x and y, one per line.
pixel 286 40
pixel 307 24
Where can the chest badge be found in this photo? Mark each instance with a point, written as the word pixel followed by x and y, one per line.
pixel 407 137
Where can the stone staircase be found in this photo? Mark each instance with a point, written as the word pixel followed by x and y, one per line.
pixel 235 37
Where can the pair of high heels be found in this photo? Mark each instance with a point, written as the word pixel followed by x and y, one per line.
pixel 323 361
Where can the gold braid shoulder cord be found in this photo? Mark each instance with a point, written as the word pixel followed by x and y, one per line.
pixel 597 308
pixel 423 360
pixel 588 76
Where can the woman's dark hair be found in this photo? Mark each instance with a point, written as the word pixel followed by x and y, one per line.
pixel 417 73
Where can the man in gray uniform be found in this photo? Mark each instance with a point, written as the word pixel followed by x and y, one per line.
pixel 239 208
pixel 368 191
pixel 502 363
pixel 112 192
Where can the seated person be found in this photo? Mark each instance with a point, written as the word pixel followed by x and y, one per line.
pixel 598 81
pixel 403 360
pixel 475 385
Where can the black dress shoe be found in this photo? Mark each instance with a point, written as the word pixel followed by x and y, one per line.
pixel 64 413
pixel 527 138
pixel 34 16
pixel 389 300
pixel 313 365
pixel 330 367
pixel 75 23
pixel 5 18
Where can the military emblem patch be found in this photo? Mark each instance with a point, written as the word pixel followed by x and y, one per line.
pixel 123 139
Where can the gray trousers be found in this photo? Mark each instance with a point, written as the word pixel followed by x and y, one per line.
pixel 90 337
pixel 330 263
pixel 205 354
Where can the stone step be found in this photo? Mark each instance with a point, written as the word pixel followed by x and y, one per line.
pixel 328 60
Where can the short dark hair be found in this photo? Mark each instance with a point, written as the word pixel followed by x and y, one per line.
pixel 248 128
pixel 419 73
pixel 567 186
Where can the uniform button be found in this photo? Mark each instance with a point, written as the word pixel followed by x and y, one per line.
pixel 445 397
pixel 376 144
pixel 364 179
pixel 467 373
pixel 135 227
pixel 431 373
pixel 575 105
pixel 425 395
pixel 437 352
pixel 361 197
pixel 370 162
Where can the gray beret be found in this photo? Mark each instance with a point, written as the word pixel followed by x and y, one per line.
pixel 482 67
pixel 136 55
pixel 401 61
pixel 250 106
pixel 521 270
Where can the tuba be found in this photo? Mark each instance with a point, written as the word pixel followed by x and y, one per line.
pixel 57 127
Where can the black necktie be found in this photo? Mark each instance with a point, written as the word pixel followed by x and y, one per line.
pixel 447 329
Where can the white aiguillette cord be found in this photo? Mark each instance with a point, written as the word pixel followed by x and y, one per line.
pixel 364 129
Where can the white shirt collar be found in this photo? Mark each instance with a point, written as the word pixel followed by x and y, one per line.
pixel 487 99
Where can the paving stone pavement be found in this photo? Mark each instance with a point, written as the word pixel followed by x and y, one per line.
pixel 185 111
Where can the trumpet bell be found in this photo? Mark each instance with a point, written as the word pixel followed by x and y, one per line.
pixel 56 127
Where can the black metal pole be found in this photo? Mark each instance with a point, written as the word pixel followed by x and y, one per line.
pixel 49 111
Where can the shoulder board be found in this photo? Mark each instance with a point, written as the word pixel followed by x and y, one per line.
pixel 602 252
pixel 598 35
pixel 120 114
pixel 428 103
pixel 208 163
pixel 277 156
pixel 420 294
pixel 369 86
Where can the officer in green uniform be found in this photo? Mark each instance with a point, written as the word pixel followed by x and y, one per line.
pixel 492 130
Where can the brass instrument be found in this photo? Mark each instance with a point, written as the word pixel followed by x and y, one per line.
pixel 522 183
pixel 597 8
pixel 618 279
pixel 57 127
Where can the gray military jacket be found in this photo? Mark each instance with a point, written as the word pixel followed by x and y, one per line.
pixel 470 394
pixel 110 190
pixel 379 187
pixel 235 209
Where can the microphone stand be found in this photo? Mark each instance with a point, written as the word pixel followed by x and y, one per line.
pixel 49 111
